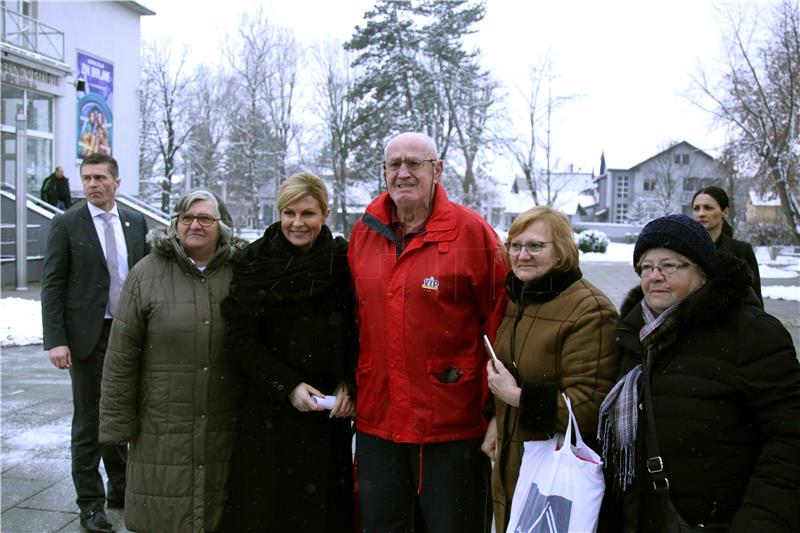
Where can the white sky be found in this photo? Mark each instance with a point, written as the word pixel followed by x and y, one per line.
pixel 628 60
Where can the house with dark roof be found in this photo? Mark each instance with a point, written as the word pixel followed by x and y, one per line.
pixel 659 185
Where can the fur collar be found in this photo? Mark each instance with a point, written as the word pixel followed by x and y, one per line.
pixel 168 246
pixel 727 289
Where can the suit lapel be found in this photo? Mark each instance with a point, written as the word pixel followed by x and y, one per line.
pixel 131 235
pixel 86 227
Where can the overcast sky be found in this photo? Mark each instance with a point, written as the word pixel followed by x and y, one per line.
pixel 628 61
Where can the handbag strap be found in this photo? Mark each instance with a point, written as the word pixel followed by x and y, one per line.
pixel 572 425
pixel 655 463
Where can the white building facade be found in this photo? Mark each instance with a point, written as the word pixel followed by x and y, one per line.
pixel 70 80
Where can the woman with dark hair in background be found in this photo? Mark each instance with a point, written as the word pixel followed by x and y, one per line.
pixel 291 330
pixel 710 208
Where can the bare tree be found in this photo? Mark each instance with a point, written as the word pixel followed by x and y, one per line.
pixel 668 182
pixel 544 187
pixel 284 62
pixel 167 77
pixel 471 106
pixel 758 99
pixel 332 86
pixel 247 159
pixel 149 183
pixel 210 118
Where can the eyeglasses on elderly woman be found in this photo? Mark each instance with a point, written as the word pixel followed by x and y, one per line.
pixel 533 247
pixel 204 220
pixel 666 268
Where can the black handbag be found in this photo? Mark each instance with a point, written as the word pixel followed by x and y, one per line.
pixel 673 522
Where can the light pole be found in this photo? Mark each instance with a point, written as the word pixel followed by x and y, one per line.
pixel 22 200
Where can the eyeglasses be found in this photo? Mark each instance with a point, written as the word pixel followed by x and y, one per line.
pixel 533 247
pixel 667 268
pixel 411 164
pixel 204 220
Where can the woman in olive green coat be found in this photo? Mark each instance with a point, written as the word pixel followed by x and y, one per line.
pixel 168 390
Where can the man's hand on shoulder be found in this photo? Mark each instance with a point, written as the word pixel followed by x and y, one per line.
pixel 60 356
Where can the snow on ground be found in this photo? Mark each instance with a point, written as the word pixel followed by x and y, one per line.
pixel 20 322
pixel 617 252
pixel 790 293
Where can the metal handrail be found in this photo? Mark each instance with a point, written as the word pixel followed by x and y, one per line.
pixel 30 34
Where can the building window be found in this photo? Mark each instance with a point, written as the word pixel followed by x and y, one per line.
pixel 621 216
pixel 39 132
pixel 649 185
pixel 681 159
pixel 622 186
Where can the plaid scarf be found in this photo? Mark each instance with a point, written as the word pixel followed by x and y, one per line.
pixel 619 413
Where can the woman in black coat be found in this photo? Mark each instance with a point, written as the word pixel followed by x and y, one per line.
pixel 710 207
pixel 292 332
pixel 725 384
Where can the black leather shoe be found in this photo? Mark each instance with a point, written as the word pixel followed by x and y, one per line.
pixel 97 522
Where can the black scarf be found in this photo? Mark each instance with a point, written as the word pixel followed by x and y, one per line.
pixel 273 272
pixel 542 289
pixel 537 291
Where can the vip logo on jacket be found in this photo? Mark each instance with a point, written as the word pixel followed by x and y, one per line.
pixel 430 284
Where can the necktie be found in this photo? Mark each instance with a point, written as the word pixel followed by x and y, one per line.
pixel 115 286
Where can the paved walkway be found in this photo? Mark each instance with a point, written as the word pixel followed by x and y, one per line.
pixel 35 482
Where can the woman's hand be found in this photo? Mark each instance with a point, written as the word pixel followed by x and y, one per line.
pixel 502 383
pixel 489 445
pixel 343 406
pixel 301 398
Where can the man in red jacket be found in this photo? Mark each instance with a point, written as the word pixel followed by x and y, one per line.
pixel 429 280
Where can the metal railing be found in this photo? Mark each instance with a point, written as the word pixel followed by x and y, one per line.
pixel 30 34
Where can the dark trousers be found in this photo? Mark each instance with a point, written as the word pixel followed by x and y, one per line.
pixel 87 375
pixel 447 483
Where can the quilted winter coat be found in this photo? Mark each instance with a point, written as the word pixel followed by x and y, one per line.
pixel 169 392
pixel 726 401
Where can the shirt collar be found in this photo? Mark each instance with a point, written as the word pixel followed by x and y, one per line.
pixel 96 211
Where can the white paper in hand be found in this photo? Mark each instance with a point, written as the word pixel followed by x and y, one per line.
pixel 489 349
pixel 326 402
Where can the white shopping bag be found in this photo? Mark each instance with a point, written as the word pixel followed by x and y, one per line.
pixel 560 486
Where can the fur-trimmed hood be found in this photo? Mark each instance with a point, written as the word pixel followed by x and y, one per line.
pixel 168 246
pixel 727 289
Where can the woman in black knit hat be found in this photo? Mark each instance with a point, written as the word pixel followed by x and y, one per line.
pixel 704 425
pixel 710 208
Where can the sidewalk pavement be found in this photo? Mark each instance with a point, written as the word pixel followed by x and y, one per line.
pixel 36 411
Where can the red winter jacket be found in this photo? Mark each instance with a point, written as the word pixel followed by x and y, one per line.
pixel 421 315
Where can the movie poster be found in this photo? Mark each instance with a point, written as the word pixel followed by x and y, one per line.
pixel 95 106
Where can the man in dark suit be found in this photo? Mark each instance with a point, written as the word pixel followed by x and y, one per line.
pixel 90 249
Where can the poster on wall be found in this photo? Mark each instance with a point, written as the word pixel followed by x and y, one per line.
pixel 95 106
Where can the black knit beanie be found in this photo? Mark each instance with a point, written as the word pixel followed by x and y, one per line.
pixel 681 234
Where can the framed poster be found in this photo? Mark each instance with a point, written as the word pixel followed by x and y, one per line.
pixel 95 106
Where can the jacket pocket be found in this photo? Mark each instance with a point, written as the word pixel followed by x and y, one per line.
pixel 371 397
pixel 455 390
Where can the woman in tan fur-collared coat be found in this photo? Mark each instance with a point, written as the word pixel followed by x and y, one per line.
pixel 168 388
pixel 557 336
